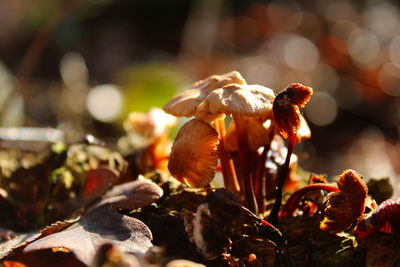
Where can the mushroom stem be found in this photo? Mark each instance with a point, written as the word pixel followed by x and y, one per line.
pixel 243 156
pixel 281 177
pixel 259 180
pixel 294 199
pixel 228 169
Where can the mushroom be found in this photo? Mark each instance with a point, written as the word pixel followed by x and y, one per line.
pixel 304 132
pixel 346 206
pixel 286 108
pixel 194 155
pixel 240 101
pixel 151 124
pixel 147 132
pixel 345 201
pixel 185 104
pixel 288 122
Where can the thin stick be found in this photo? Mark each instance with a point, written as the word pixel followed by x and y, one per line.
pixel 282 176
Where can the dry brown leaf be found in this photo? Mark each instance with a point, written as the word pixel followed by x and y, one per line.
pixel 102 223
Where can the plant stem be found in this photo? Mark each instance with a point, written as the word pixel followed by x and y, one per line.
pixel 243 156
pixel 294 199
pixel 281 177
pixel 228 169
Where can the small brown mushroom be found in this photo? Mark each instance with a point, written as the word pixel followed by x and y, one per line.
pixel 286 108
pixel 194 155
pixel 151 124
pixel 185 103
pixel 346 206
pixel 288 121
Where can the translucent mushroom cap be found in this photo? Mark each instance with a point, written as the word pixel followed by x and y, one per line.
pixel 185 103
pixel 304 132
pixel 194 155
pixel 236 99
pixel 346 206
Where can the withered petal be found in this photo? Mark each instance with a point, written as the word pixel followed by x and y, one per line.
pixel 194 155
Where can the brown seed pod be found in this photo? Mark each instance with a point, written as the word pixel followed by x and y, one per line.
pixel 286 108
pixel 194 155
pixel 385 218
pixel 346 206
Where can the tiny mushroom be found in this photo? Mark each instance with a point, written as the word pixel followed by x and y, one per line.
pixel 194 155
pixel 288 121
pixel 151 124
pixel 346 206
pixel 286 108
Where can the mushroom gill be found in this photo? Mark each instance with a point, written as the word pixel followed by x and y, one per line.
pixel 194 155
pixel 346 206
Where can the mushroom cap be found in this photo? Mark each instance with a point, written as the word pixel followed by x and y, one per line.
pixel 236 99
pixel 186 102
pixel 304 132
pixel 194 155
pixel 151 124
pixel 258 134
pixel 346 206
pixel 286 108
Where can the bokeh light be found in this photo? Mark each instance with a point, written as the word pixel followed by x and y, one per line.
pixel 104 102
pixel 322 109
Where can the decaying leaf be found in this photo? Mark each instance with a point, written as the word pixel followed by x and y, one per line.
pixel 102 223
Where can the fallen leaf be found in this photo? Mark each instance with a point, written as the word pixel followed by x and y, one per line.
pixel 102 223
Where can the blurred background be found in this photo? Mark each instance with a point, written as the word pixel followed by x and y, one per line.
pixel 83 65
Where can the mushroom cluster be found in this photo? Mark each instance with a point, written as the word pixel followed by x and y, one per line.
pixel 256 116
